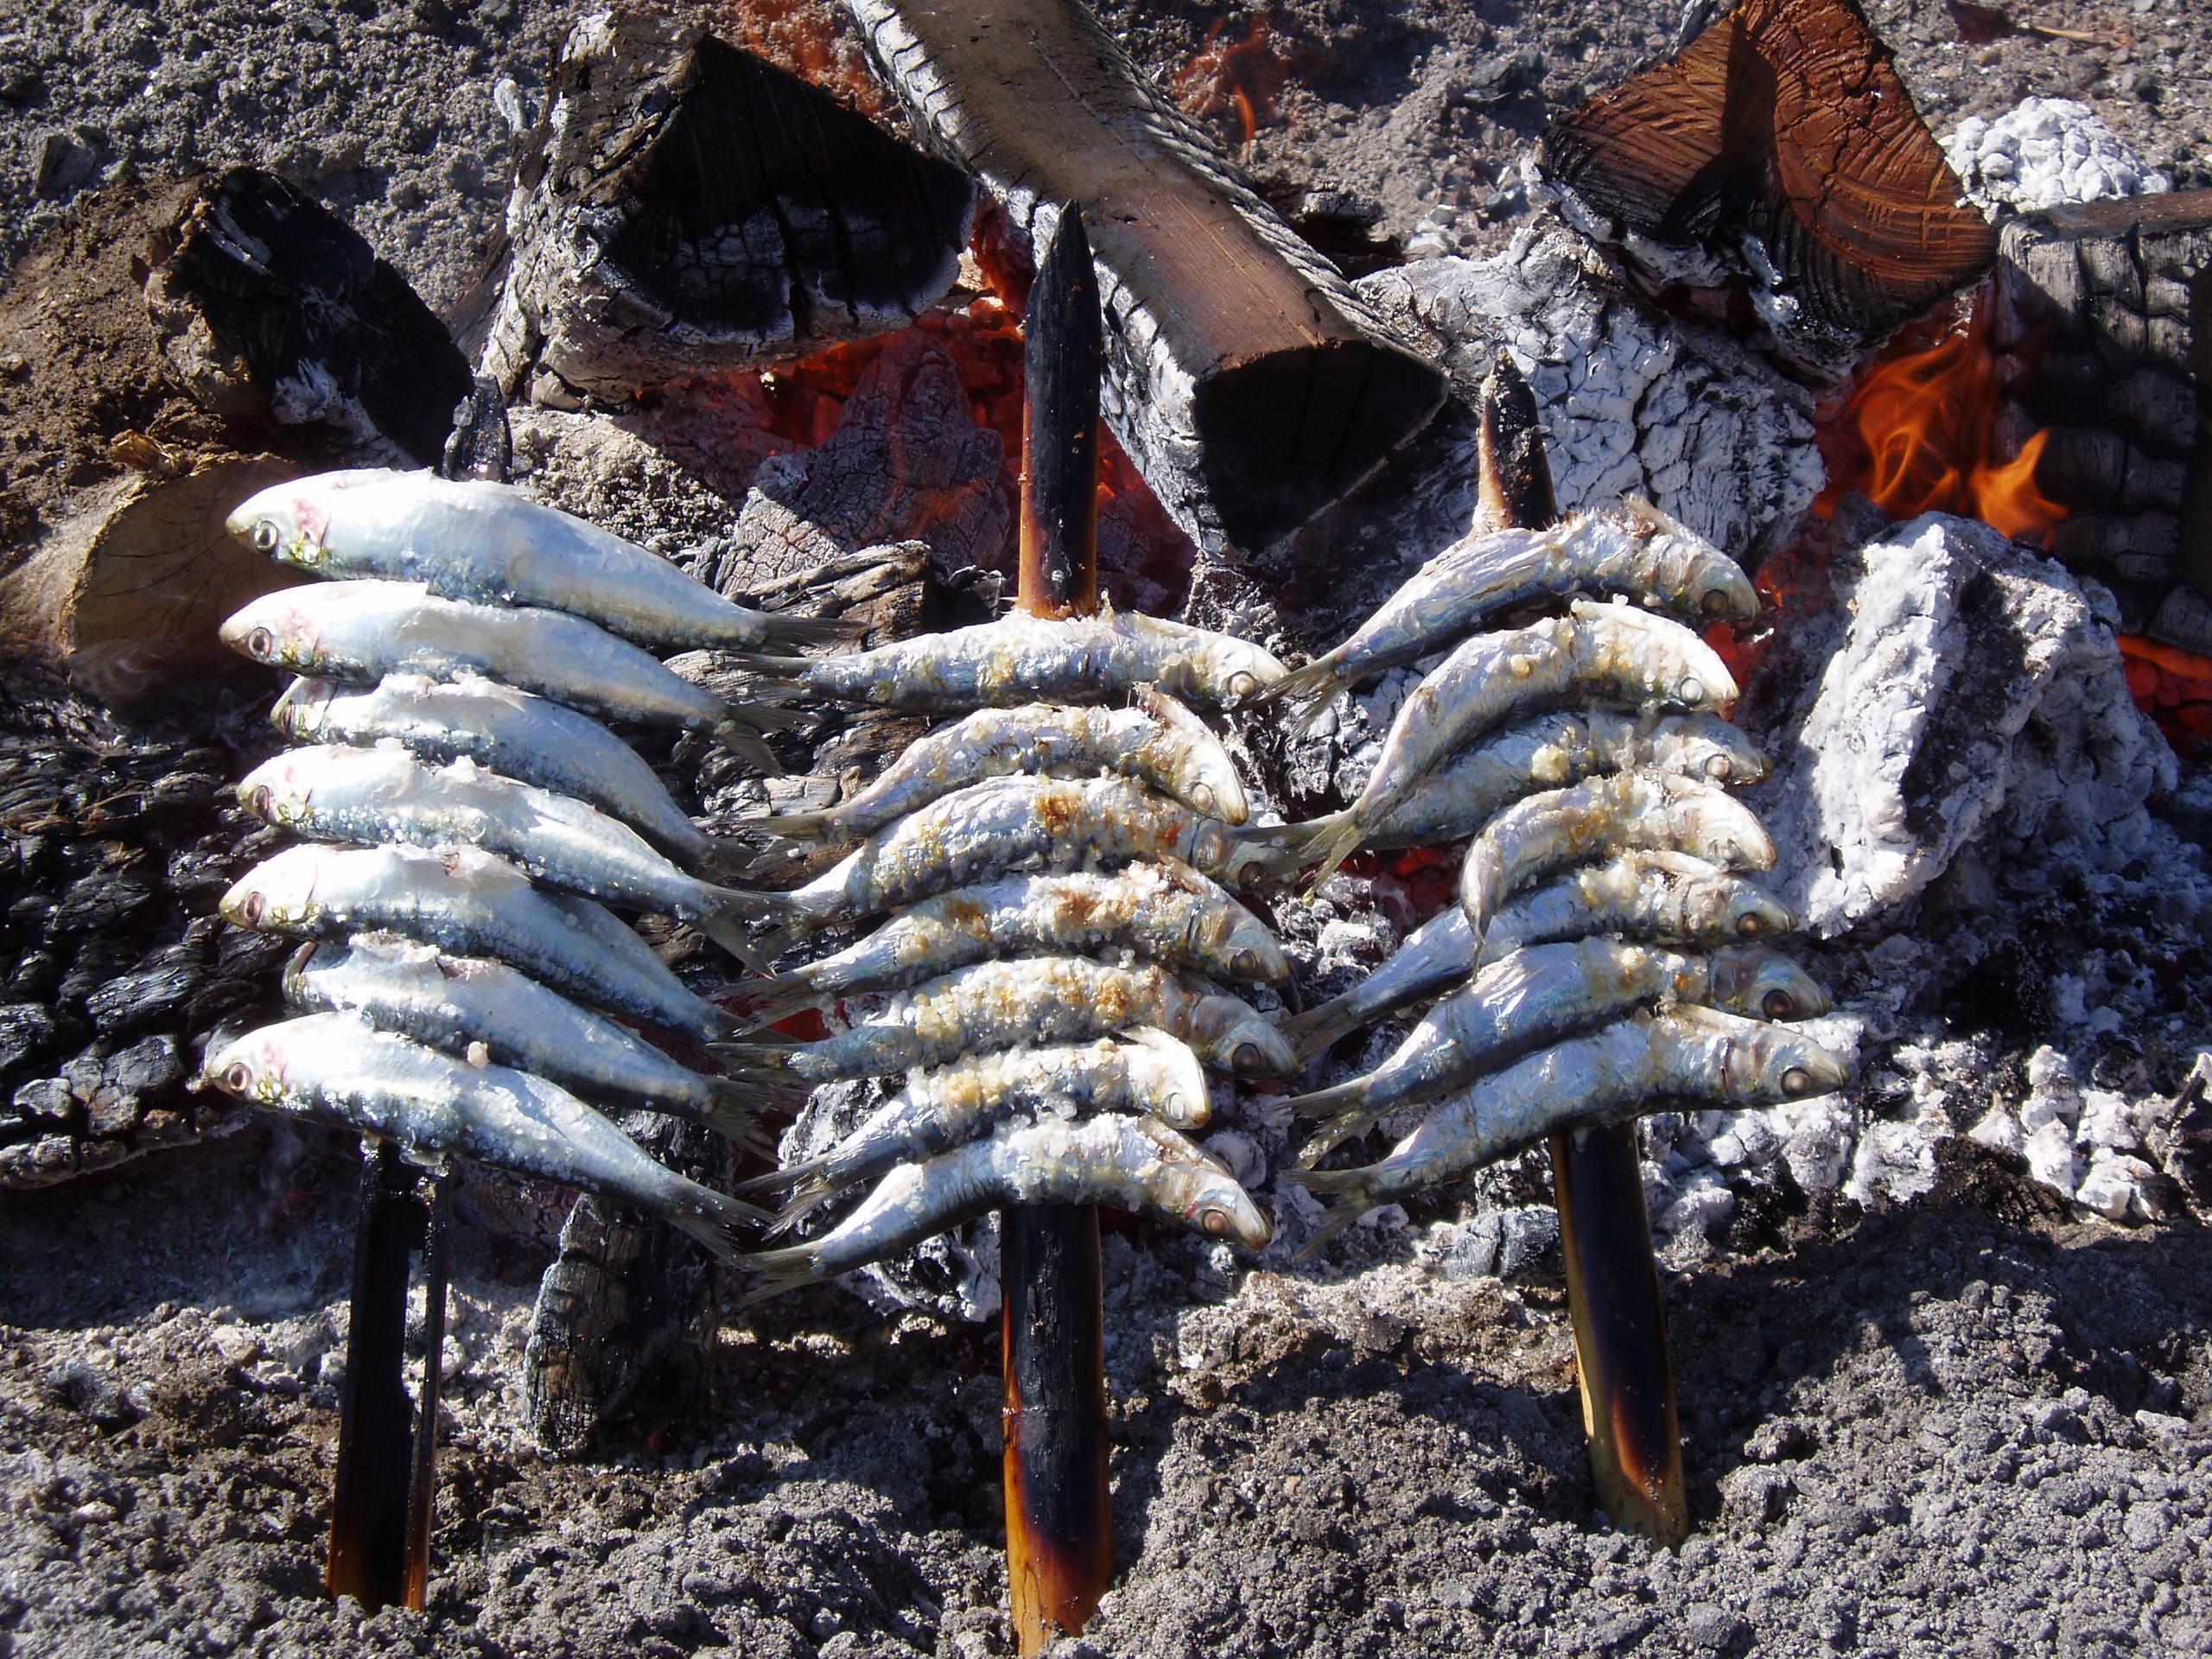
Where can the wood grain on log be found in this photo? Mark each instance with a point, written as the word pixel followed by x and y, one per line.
pixel 691 209
pixel 1781 144
pixel 1245 378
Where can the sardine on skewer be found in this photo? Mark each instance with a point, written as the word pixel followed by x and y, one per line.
pixel 385 794
pixel 449 1003
pixel 1630 548
pixel 1656 897
pixel 339 1069
pixel 1155 741
pixel 530 739
pixel 1562 827
pixel 490 543
pixel 1142 1071
pixel 1130 1163
pixel 362 631
pixel 1540 994
pixel 1164 912
pixel 1453 802
pixel 1601 653
pixel 988 829
pixel 1635 1065
pixel 472 904
pixel 1000 1004
pixel 1022 658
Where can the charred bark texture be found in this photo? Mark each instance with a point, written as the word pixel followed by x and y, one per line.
pixel 1059 429
pixel 691 209
pixel 1245 378
pixel 271 310
pixel 2097 300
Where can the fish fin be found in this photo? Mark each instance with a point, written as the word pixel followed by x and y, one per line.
pixel 744 742
pixel 769 667
pixel 796 630
pixel 762 1002
pixel 796 826
pixel 1354 1204
pixel 1326 844
pixel 736 905
pixel 726 932
pixel 1345 1126
pixel 1319 1028
pixel 1315 682
pixel 721 1219
pixel 1324 1102
pixel 774 1271
pixel 734 1112
pixel 729 861
pixel 788 1175
pixel 803 1201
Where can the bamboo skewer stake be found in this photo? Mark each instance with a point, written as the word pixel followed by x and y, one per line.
pixel 1621 1363
pixel 1059 1523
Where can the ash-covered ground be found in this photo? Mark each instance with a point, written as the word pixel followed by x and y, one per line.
pixel 1929 1405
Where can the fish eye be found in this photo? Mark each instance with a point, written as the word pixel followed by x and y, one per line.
pixel 1715 602
pixel 267 537
pixel 1690 689
pixel 260 801
pixel 259 642
pixel 252 909
pixel 1750 925
pixel 1778 1005
pixel 1796 1081
pixel 1215 1220
pixel 1245 964
pixel 1246 1058
pixel 1203 797
pixel 1718 768
pixel 238 1077
pixel 1244 684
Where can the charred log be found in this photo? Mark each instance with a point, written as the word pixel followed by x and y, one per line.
pixel 1779 151
pixel 273 311
pixel 1245 378
pixel 691 208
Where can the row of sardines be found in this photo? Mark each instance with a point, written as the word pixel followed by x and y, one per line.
pixel 1064 953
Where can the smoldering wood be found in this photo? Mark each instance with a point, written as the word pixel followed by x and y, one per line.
pixel 1779 151
pixel 274 312
pixel 687 209
pixel 1060 429
pixel 1247 380
pixel 626 1296
pixel 2095 301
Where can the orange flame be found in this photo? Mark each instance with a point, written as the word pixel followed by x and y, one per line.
pixel 1240 75
pixel 1920 433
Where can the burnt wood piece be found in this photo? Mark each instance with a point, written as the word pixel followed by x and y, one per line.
pixel 1621 1363
pixel 273 311
pixel 1248 381
pixel 2096 302
pixel 690 209
pixel 1059 1512
pixel 1782 140
pixel 436 1198
pixel 371 1529
pixel 626 1294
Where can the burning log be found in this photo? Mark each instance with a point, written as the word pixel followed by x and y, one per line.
pixel 1248 383
pixel 692 209
pixel 1779 149
pixel 2097 302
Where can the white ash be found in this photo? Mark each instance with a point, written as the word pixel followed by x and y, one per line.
pixel 2045 152
pixel 1633 403
pixel 1974 690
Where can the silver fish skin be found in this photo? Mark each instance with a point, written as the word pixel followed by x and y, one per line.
pixel 472 904
pixel 1130 1163
pixel 1155 741
pixel 1662 897
pixel 1600 653
pixel 1020 658
pixel 1002 824
pixel 1623 1068
pixel 1143 1072
pixel 385 794
pixel 1548 832
pixel 1037 999
pixel 531 740
pixel 1164 913
pixel 448 1002
pixel 1462 794
pixel 338 1069
pixel 1631 548
pixel 362 631
pixel 1540 994
pixel 493 544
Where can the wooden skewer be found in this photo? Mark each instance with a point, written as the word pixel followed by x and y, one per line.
pixel 1060 1521
pixel 1621 1362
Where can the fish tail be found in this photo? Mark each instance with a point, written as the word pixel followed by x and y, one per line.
pixel 1354 1204
pixel 774 1271
pixel 1326 844
pixel 1319 1028
pixel 743 740
pixel 788 1175
pixel 728 859
pixel 796 826
pixel 1323 1101
pixel 794 632
pixel 768 667
pixel 764 1001
pixel 733 1108
pixel 731 907
pixel 1479 880
pixel 1344 1126
pixel 1315 684
pixel 803 1201
pixel 716 1220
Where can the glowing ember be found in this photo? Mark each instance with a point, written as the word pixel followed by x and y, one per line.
pixel 803 36
pixel 1239 75
pixel 2174 687
pixel 1920 433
